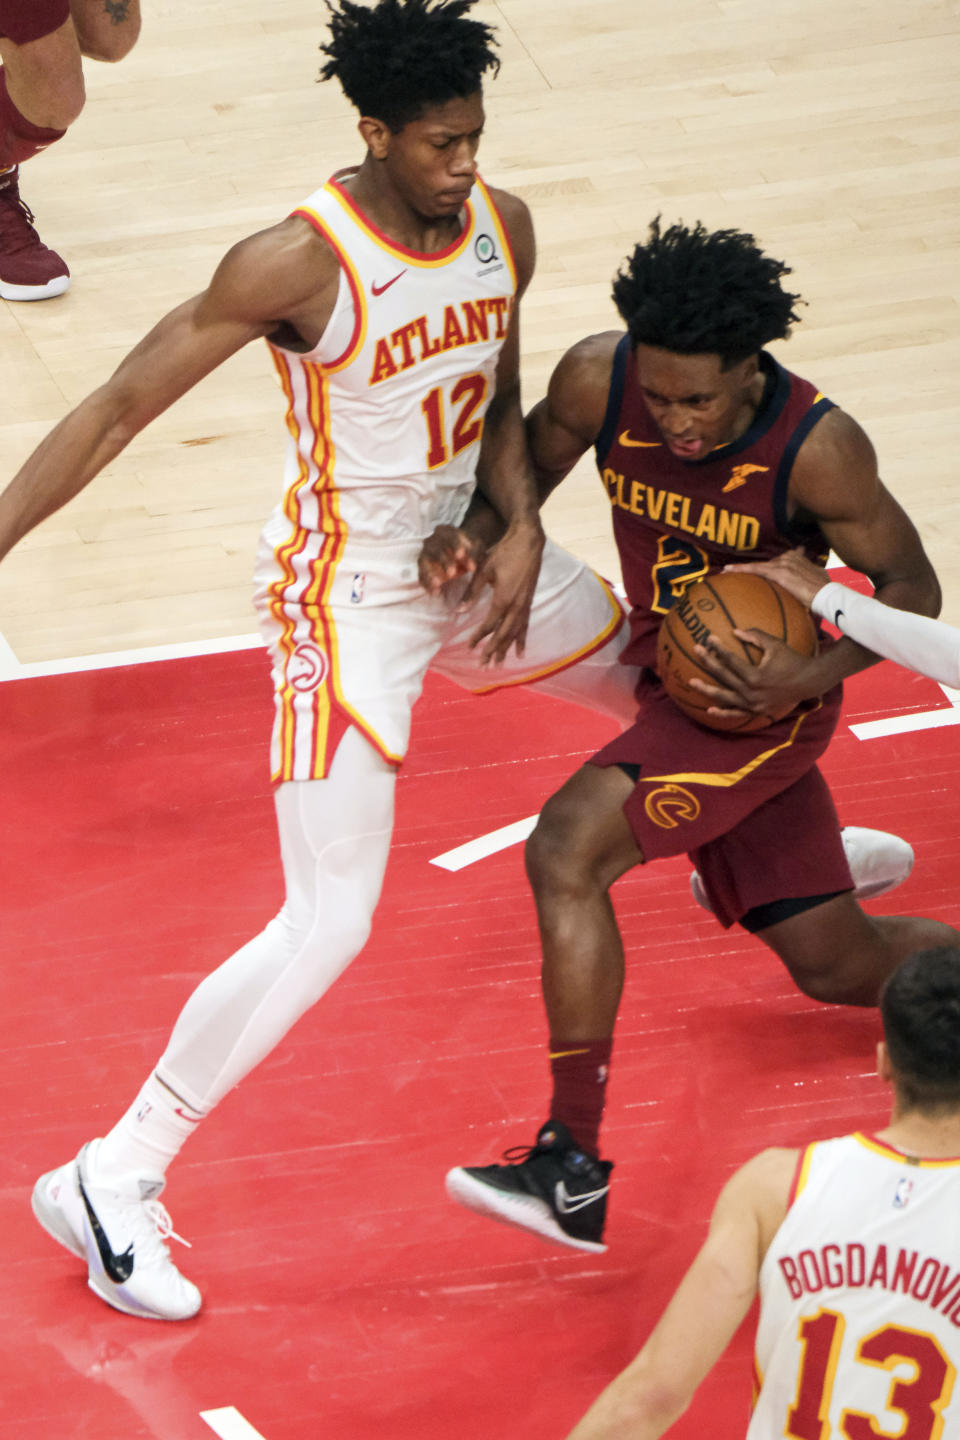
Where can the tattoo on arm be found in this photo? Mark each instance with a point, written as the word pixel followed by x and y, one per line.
pixel 118 10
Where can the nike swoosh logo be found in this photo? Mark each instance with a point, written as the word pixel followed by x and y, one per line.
pixel 379 289
pixel 628 444
pixel 836 618
pixel 567 1203
pixel 194 1119
pixel 118 1267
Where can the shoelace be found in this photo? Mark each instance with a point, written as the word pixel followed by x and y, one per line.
pixel 520 1154
pixel 15 213
pixel 160 1230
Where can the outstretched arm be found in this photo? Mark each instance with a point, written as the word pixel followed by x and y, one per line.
pixel 258 284
pixel 712 1299
pixel 927 646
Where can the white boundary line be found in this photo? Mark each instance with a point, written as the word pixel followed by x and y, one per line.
pixel 485 845
pixel 903 724
pixel 229 1424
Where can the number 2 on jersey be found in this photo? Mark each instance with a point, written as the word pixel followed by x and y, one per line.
pixel 920 1399
pixel 678 564
pixel 468 393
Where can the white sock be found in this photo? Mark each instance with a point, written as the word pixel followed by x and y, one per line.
pixel 148 1136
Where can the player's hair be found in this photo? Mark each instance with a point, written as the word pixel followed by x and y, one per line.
pixel 697 292
pixel 397 58
pixel 920 1008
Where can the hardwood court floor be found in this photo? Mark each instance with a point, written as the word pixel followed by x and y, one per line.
pixel 345 1298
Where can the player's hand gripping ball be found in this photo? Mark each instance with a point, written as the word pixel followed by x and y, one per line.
pixel 715 607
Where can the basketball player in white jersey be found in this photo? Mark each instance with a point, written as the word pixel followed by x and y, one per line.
pixel 389 301
pixel 854 1247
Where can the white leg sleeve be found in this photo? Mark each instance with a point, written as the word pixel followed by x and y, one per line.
pixel 334 839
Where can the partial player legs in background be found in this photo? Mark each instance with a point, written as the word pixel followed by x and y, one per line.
pixel 335 838
pixel 41 94
pixel 29 270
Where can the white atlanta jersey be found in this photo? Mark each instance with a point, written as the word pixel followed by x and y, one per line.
pixel 386 412
pixel 859 1331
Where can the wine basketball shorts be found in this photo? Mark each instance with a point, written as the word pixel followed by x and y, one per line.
pixel 23 21
pixel 752 811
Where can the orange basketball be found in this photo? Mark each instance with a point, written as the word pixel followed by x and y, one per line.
pixel 716 607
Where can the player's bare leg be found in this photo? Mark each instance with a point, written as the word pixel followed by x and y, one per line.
pixel 837 953
pixel 581 845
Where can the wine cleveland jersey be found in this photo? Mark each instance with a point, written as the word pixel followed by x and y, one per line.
pixel 676 520
pixel 859 1331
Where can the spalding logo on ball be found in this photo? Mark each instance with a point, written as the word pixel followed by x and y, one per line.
pixel 714 608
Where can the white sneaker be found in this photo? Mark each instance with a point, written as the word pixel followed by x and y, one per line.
pixel 878 862
pixel 120 1231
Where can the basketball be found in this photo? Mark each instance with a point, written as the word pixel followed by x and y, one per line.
pixel 715 607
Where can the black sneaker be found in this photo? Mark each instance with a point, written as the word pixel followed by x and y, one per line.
pixel 552 1188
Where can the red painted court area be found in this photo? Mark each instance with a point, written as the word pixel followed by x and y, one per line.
pixel 346 1299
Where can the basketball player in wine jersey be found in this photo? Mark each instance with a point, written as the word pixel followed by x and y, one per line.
pixel 854 1247
pixel 389 303
pixel 711 453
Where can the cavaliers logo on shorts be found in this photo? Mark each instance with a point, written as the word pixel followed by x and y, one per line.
pixel 669 804
pixel 306 668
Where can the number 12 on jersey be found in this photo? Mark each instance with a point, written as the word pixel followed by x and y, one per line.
pixel 466 397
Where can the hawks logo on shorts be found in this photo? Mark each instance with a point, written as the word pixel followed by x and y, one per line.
pixel 307 668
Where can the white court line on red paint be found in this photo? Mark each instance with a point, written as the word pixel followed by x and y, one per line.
pixel 485 845
pixel 229 1424
pixel 903 724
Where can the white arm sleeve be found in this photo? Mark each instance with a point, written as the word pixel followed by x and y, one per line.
pixel 927 646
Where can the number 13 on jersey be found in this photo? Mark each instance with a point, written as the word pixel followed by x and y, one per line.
pixel 920 1381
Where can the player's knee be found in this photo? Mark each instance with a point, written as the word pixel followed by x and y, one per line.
pixel 319 951
pixel 541 855
pixel 110 43
pixel 48 97
pixel 66 103
pixel 558 853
